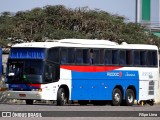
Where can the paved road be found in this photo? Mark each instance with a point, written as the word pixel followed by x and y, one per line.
pixel 101 111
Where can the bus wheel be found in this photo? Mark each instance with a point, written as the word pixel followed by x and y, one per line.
pixel 116 97
pixel 129 97
pixel 29 102
pixel 61 97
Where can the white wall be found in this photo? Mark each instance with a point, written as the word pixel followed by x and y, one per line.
pixel 155 13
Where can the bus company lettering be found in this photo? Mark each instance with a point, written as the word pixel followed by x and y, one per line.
pixel 117 74
pixel 129 74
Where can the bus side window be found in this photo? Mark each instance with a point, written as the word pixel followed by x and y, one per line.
pixel 152 58
pixel 79 56
pixel 91 56
pixel 85 56
pixel 122 57
pixel 114 56
pixel 71 55
pixel 129 57
pixel 48 73
pixel 64 55
pixel 143 58
pixel 96 56
pixel 101 56
pixel 53 55
pixel 136 58
pixel 154 55
pixel 108 57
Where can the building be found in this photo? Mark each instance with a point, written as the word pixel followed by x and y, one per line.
pixel 148 14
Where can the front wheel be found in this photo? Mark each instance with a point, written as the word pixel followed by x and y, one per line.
pixel 61 97
pixel 129 97
pixel 116 97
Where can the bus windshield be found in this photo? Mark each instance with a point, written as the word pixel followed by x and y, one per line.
pixel 25 71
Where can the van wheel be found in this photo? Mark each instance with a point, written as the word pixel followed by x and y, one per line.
pixel 61 97
pixel 129 97
pixel 116 97
pixel 29 102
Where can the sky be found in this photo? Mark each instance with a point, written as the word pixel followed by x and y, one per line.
pixel 125 8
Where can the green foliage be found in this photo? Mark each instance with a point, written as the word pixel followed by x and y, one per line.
pixel 58 22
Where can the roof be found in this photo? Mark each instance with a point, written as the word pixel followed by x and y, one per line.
pixel 87 43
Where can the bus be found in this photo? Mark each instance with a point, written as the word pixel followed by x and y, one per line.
pixel 84 71
pixel 1 65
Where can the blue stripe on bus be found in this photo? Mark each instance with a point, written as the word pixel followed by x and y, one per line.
pixel 99 85
pixel 23 87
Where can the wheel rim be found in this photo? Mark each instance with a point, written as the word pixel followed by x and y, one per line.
pixel 117 97
pixel 130 98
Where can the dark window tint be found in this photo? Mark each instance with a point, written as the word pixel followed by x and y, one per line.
pixel 143 56
pixel 154 55
pixel 136 58
pixel 85 56
pixel 53 55
pixel 64 55
pixel 108 57
pixel 101 56
pixel 152 58
pixel 122 57
pixel 52 72
pixel 129 57
pixel 79 56
pixel 96 57
pixel 114 56
pixel 71 55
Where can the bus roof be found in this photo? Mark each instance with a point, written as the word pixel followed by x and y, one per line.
pixel 86 43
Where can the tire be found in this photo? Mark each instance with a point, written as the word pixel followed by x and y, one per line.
pixel 29 102
pixel 61 97
pixel 116 97
pixel 130 96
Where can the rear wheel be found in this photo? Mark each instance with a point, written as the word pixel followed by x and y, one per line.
pixel 29 102
pixel 129 101
pixel 116 97
pixel 61 97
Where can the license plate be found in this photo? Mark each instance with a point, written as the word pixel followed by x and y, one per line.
pixel 22 95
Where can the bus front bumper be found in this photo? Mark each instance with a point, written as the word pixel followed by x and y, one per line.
pixel 33 95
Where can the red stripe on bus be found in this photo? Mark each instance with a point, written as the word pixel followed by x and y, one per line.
pixel 90 68
pixel 35 85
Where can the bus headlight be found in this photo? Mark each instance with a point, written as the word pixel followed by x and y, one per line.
pixel 38 90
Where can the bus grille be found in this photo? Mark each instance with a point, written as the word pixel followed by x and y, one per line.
pixel 151 88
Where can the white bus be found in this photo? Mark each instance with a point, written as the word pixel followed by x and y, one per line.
pixel 87 71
